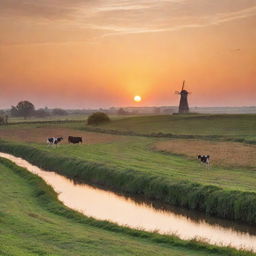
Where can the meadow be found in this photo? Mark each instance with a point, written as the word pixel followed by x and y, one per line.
pixel 138 156
pixel 236 127
pixel 155 167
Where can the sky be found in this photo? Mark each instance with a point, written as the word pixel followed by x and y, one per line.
pixel 101 53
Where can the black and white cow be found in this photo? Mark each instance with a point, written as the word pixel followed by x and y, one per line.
pixel 75 140
pixel 205 159
pixel 54 141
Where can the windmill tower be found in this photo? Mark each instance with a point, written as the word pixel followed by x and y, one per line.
pixel 183 107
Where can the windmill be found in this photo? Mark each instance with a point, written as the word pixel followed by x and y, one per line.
pixel 183 107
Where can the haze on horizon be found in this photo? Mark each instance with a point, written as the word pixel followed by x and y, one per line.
pixel 101 53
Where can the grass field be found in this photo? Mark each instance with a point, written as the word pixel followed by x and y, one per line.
pixel 135 153
pixel 31 133
pixel 228 154
pixel 76 117
pixel 237 127
pixel 166 162
pixel 233 164
pixel 33 222
pixel 63 118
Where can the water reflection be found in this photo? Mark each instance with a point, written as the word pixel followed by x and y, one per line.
pixel 105 205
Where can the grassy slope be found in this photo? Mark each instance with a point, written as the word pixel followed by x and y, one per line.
pixel 135 154
pixel 233 126
pixel 27 227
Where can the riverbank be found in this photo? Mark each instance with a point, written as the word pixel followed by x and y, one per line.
pixel 36 223
pixel 212 200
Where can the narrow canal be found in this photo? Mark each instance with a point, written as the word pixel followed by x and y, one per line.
pixel 105 205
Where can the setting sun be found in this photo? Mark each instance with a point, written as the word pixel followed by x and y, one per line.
pixel 137 98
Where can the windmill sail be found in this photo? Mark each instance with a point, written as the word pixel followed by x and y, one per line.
pixel 183 85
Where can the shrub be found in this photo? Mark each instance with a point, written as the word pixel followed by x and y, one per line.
pixel 98 118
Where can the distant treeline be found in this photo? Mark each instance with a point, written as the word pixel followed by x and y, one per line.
pixel 27 109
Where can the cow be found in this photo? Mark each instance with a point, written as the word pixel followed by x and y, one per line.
pixel 205 159
pixel 75 140
pixel 54 141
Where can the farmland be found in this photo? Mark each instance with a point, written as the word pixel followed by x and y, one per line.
pixel 233 164
pixel 113 159
pixel 227 127
pixel 228 154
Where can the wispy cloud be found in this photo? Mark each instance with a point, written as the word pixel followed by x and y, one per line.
pixel 103 18
pixel 175 24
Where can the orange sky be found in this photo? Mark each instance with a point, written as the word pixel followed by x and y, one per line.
pixel 100 53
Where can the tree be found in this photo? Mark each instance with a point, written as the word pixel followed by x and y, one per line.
pixel 98 118
pixel 25 109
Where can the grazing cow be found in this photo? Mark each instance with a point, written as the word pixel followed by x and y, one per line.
pixel 75 140
pixel 205 159
pixel 54 141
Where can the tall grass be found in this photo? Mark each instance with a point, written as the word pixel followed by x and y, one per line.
pixel 212 200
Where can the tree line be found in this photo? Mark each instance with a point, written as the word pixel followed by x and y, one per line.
pixel 26 110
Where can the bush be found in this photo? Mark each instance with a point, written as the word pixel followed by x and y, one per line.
pixel 98 118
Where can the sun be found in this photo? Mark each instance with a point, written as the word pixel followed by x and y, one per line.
pixel 137 98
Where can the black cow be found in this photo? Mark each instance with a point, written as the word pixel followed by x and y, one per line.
pixel 205 159
pixel 75 140
pixel 54 141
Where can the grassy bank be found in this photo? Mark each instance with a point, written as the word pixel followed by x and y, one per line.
pixel 34 222
pixel 213 200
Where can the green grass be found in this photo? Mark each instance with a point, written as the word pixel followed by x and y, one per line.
pixel 64 118
pixel 169 187
pixel 135 154
pixel 33 222
pixel 236 127
pixel 74 117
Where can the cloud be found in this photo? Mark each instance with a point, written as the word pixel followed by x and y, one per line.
pixel 175 24
pixel 48 9
pixel 103 18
